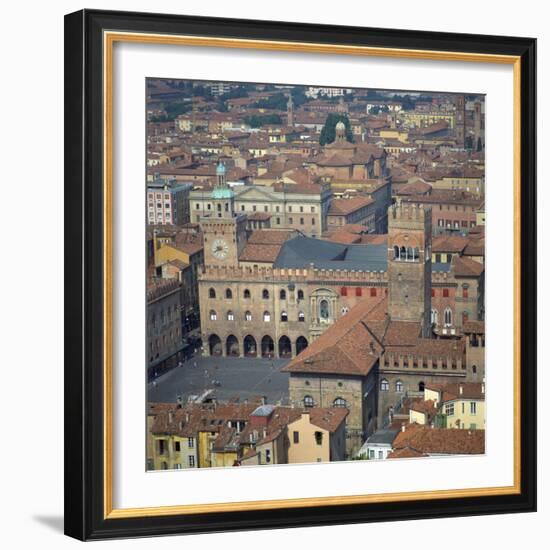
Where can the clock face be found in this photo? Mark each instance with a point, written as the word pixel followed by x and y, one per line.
pixel 220 249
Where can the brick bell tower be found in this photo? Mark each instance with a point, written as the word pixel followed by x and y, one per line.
pixel 409 264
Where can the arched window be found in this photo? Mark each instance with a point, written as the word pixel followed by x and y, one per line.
pixel 474 369
pixel 284 316
pixel 396 253
pixel 409 254
pixel 213 315
pixel 230 316
pixel 399 386
pixel 247 316
pixel 308 401
pixel 211 293
pixel 403 253
pixel 265 294
pixel 448 317
pixel 339 402
pixel 416 254
pixel 282 294
pixel 267 316
pixel 300 295
pixel 301 317
pixel 384 385
pixel 323 310
pixel 246 294
pixel 434 316
pixel 228 294
pixel 421 386
pixel 344 310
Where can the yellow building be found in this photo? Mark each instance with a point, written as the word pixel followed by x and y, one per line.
pixel 422 411
pixel 171 442
pixel 421 119
pixel 399 135
pixel 472 182
pixel 318 435
pixel 169 246
pixel 463 404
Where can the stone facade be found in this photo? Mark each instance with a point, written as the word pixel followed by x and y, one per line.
pixel 300 305
pixel 292 206
pixel 409 264
pixel 164 334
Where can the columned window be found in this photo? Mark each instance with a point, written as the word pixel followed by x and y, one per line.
pixel 448 317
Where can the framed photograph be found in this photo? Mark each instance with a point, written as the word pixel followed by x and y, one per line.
pixel 300 275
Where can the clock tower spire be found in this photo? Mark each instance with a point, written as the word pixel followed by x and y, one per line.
pixel 224 230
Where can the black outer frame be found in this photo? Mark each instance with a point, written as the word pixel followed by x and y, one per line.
pixel 84 274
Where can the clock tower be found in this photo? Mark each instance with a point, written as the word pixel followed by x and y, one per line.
pixel 224 230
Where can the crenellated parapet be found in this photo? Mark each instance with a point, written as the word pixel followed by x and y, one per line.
pixel 433 355
pixel 263 273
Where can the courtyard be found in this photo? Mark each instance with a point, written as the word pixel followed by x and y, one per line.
pixel 226 377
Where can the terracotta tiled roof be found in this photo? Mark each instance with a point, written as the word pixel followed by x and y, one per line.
pixel 452 391
pixel 333 160
pixel 465 267
pixel 476 247
pixel 347 347
pixel 190 243
pixel 343 237
pixel 327 418
pixel 299 188
pixel 347 206
pixel 452 243
pixel 260 252
pixel 270 236
pixel 414 188
pixel 423 406
pixel 406 453
pixel 427 440
pixel 402 333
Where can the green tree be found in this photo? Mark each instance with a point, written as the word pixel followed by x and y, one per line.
pixel 277 102
pixel 328 133
pixel 299 96
pixel 255 121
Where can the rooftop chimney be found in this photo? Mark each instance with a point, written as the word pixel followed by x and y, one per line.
pixel 460 389
pixel 403 427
